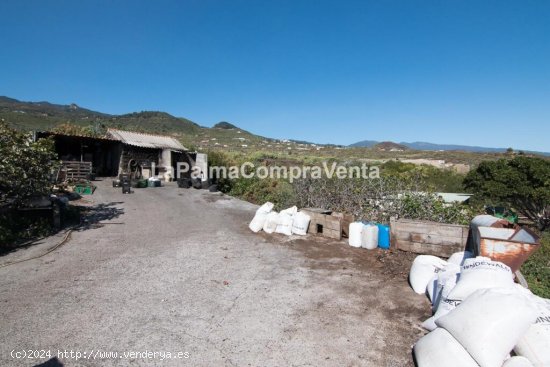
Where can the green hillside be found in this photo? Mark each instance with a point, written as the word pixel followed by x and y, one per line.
pixel 224 135
pixel 44 116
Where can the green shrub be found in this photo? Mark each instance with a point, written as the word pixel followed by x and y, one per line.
pixel 429 207
pixel 25 166
pixel 258 191
pixel 536 269
pixel 435 179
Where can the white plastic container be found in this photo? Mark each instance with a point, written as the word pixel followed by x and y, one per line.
pixel 369 236
pixel 355 234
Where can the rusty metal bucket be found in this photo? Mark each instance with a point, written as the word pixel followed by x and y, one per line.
pixel 511 246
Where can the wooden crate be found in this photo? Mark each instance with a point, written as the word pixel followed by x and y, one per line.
pixel 327 223
pixel 430 238
pixel 347 219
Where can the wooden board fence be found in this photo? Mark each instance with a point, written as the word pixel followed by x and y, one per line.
pixel 430 238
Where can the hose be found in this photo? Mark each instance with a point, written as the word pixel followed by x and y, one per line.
pixel 65 239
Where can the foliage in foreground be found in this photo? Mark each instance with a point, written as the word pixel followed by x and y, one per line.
pixel 25 166
pixel 15 229
pixel 536 269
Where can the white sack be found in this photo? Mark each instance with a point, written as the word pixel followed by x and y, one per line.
pixel 271 221
pixel 444 303
pixel 458 258
pixel 290 211
pixel 489 323
pixel 518 362
pixel 257 222
pixel 431 289
pixel 535 344
pixel 434 285
pixel 423 269
pixel 446 277
pixel 438 349
pixel 266 208
pixel 284 224
pixel 481 273
pixel 355 234
pixel 300 223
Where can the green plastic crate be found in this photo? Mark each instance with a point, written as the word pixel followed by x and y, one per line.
pixel 84 189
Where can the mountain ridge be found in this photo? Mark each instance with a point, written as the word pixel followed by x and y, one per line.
pixel 425 146
pixel 45 115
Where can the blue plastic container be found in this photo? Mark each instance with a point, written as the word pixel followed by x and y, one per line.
pixel 383 236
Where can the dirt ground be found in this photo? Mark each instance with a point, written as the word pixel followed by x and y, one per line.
pixel 169 270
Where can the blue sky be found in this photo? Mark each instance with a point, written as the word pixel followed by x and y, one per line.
pixel 463 72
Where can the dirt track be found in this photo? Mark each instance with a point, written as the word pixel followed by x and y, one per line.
pixel 181 272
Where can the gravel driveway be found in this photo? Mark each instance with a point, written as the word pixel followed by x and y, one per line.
pixel 169 270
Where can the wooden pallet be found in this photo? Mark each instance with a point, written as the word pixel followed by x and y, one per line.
pixel 72 170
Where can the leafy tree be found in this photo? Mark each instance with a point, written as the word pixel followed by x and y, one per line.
pixel 25 166
pixel 523 183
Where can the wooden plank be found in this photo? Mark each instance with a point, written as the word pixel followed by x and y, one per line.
pixel 427 238
pixel 423 222
pixel 435 240
pixel 435 228
pixel 427 249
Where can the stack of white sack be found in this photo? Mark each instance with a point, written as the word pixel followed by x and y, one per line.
pixel 287 222
pixel 454 284
pixel 486 325
pixel 535 344
pixel 480 316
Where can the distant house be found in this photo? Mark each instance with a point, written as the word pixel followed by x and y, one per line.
pixel 140 154
pixel 451 197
